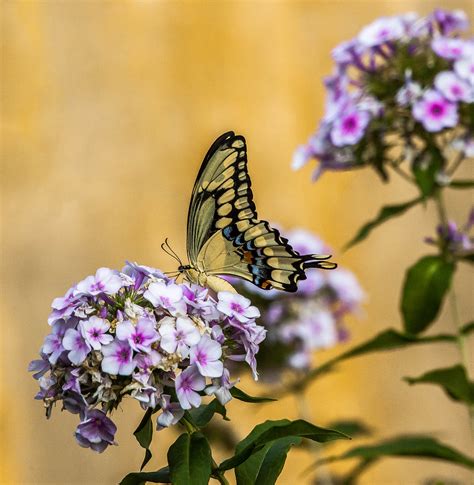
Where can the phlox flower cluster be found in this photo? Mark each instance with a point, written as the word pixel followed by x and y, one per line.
pixel 402 89
pixel 311 319
pixel 458 241
pixel 136 332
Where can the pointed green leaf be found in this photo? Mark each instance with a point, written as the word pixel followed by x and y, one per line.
pixel 385 213
pixel 272 430
pixel 265 466
pixel 140 478
pixel 453 380
pixel 426 284
pixel 461 184
pixel 203 414
pixel 189 460
pixel 242 396
pixel 406 446
pixel 144 435
pixel 468 328
pixel 352 428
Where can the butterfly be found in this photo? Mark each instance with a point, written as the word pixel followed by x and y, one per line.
pixel 225 235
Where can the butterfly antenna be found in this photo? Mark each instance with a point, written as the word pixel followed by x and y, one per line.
pixel 172 251
pixel 165 249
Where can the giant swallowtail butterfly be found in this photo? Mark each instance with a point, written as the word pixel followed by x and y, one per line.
pixel 225 235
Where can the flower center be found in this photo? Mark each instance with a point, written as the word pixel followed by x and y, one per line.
pixel 236 307
pixel 138 339
pixel 437 109
pixel 123 355
pixel 349 124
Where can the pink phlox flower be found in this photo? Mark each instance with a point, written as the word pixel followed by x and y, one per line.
pixel 118 358
pixel 206 356
pixel 188 384
pixel 300 359
pixel 140 273
pixel 381 31
pixel 236 306
pixel 465 69
pixel 145 363
pixel 139 336
pixel 435 112
pixel 75 403
pixel 409 93
pixel 321 331
pixel 95 331
pixel 346 288
pixel 451 20
pixel 465 145
pixel 169 296
pixel 177 335
pixel 450 48
pixel 350 127
pixel 76 344
pixel 171 412
pixel 452 87
pixel 305 242
pixel 105 281
pixel 314 282
pixel 39 366
pixel 72 380
pixel 345 52
pixel 301 157
pixel 97 431
pixel 64 306
pixel 250 335
pixel 220 388
pixel 53 343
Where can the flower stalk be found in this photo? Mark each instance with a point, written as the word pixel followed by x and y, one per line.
pixel 460 337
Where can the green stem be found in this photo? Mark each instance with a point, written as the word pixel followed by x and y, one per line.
pixel 304 412
pixel 461 339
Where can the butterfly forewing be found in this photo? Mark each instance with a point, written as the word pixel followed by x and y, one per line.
pixel 225 236
pixel 221 194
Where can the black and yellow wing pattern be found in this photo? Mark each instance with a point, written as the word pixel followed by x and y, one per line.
pixel 225 235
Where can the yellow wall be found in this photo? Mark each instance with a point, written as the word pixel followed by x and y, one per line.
pixel 108 108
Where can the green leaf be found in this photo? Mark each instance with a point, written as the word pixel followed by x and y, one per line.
pixel 203 414
pixel 461 184
pixel 406 446
pixel 387 340
pixel 272 430
pixel 453 380
pixel 467 328
pixel 160 476
pixel 385 213
pixel 189 460
pixel 352 428
pixel 242 396
pixel 144 435
pixel 425 174
pixel 265 466
pixel 425 286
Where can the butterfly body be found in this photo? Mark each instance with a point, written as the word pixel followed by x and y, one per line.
pixel 225 235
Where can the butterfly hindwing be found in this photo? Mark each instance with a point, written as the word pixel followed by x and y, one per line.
pixel 259 255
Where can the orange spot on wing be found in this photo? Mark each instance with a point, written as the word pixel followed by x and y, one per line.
pixel 266 284
pixel 248 257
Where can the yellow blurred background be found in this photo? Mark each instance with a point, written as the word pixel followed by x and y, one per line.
pixel 107 110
